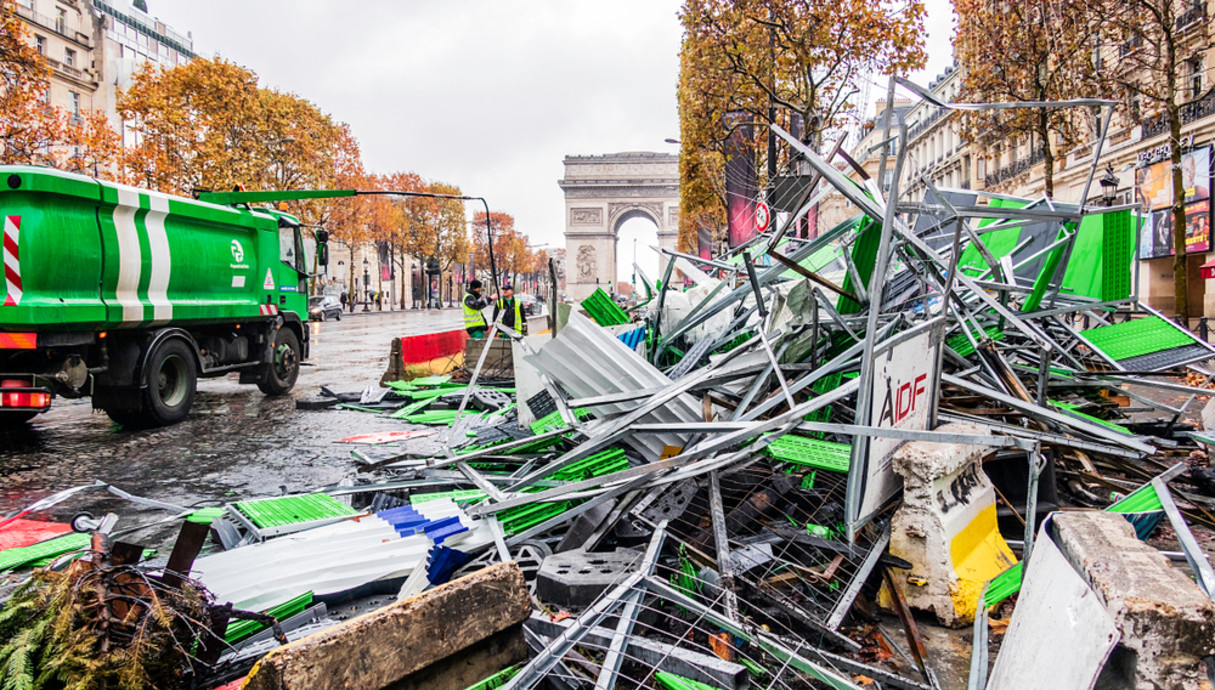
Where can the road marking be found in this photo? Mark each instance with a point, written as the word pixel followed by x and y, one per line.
pixel 130 257
pixel 12 260
pixel 162 261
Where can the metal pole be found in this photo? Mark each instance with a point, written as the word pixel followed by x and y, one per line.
pixel 877 281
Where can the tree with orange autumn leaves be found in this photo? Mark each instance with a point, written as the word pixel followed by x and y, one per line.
pixel 512 256
pixel 33 132
pixel 1045 54
pixel 771 59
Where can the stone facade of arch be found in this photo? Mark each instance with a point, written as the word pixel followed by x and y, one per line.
pixel 601 193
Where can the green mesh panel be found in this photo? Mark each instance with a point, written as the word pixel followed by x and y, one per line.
pixel 291 510
pixel 1134 338
pixel 799 450
pixel 604 310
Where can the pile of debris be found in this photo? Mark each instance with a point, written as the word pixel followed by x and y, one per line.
pixel 739 483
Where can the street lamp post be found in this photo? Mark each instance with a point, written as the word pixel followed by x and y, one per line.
pixel 366 285
pixel 1109 185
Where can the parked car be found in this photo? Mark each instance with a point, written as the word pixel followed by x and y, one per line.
pixel 324 307
pixel 528 304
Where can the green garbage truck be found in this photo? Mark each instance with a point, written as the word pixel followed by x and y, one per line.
pixel 130 296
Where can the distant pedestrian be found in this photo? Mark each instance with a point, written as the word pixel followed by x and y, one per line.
pixel 344 299
pixel 434 295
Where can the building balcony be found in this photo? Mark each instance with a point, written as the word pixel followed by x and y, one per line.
pixel 54 25
pixel 931 120
pixel 1190 112
pixel 1013 169
pixel 1194 15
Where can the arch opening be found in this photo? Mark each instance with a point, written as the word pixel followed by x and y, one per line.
pixel 635 238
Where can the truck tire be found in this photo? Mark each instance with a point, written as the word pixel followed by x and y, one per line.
pixel 284 367
pixel 171 375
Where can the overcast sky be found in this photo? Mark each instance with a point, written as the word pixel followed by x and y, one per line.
pixel 489 95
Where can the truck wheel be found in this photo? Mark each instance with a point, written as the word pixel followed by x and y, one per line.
pixel 171 377
pixel 284 368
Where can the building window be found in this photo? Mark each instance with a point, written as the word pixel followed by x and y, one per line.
pixel 40 44
pixel 1195 77
pixel 61 20
pixel 74 101
pixel 69 57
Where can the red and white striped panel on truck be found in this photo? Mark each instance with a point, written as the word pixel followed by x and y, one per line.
pixel 12 260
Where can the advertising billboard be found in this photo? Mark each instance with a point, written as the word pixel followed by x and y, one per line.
pixel 1154 185
pixel 742 187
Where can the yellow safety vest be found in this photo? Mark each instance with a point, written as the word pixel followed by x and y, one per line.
pixel 518 327
pixel 473 318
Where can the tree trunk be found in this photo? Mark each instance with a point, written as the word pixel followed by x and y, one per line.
pixel 1048 156
pixel 1180 279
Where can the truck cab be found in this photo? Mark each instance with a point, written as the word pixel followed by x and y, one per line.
pixel 130 296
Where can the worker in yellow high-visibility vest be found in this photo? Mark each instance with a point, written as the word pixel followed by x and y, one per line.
pixel 474 302
pixel 512 313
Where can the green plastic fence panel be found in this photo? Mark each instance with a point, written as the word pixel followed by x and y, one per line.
pixel 820 259
pixel 239 630
pixel 1138 337
pixel 810 452
pixel 998 242
pixel 823 414
pixel 1049 267
pixel 1075 410
pixel 604 310
pixel 670 681
pixel 497 680
pixel 961 344
pixel 553 421
pixel 291 510
pixel 864 255
pixel 24 555
pixel 1100 262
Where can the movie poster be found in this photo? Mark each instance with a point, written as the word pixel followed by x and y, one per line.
pixel 1155 192
pixel 741 183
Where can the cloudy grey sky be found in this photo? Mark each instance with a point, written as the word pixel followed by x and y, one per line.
pixel 489 95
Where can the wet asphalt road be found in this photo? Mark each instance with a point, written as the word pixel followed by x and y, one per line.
pixel 236 444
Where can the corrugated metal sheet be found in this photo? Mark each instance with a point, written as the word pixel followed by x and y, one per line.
pixel 337 557
pixel 588 361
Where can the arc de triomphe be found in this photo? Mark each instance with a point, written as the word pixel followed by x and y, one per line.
pixel 601 193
